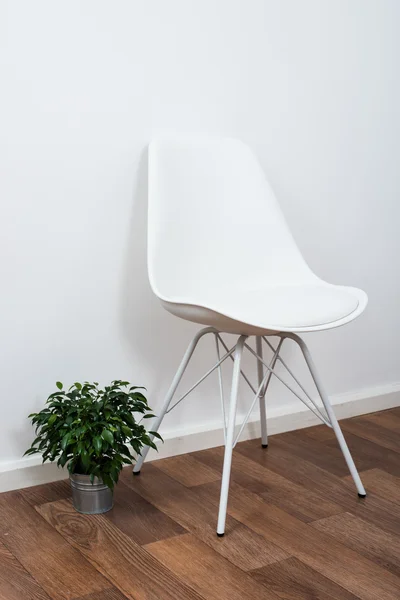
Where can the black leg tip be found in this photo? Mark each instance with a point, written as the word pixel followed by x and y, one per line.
pixel 220 534
pixel 136 473
pixel 264 445
pixel 362 495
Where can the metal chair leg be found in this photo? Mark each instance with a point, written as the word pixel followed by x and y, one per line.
pixel 260 373
pixel 230 434
pixel 329 410
pixel 170 394
pixel 263 408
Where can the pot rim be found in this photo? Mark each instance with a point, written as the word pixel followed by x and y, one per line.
pixel 80 477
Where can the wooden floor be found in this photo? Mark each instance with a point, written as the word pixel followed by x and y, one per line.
pixel 296 527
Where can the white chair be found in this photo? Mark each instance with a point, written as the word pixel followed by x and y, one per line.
pixel 220 254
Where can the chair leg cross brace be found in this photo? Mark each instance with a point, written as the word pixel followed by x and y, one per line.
pixel 313 408
pixel 264 378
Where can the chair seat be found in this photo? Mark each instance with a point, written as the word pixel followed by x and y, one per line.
pixel 307 307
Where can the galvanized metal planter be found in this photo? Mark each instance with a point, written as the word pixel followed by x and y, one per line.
pixel 90 498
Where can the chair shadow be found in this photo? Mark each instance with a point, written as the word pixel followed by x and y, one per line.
pixel 153 339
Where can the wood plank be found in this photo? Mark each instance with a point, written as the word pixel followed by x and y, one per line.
pixel 110 594
pixel 319 433
pixel 275 489
pixel 187 471
pixel 211 575
pixel 328 458
pixel 126 564
pixel 281 459
pixel 244 548
pixel 316 549
pixel 139 519
pixel 326 454
pixel 61 571
pixel 381 484
pixel 385 418
pixel 366 454
pixel 396 411
pixel 15 582
pixel 370 455
pixel 380 546
pixel 48 492
pixel 372 431
pixel 291 579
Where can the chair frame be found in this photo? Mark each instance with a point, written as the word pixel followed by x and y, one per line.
pixel 264 375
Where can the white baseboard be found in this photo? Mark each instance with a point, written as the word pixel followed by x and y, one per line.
pixel 26 472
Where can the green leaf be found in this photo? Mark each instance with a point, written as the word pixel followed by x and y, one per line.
pixel 115 474
pixel 85 459
pixel 65 440
pixel 155 434
pixel 127 431
pixel 125 451
pixel 52 419
pixel 138 396
pixel 107 436
pixel 30 451
pixel 56 395
pixel 97 443
pixel 63 459
pixel 107 480
pixel 129 419
pixel 59 385
pixel 78 385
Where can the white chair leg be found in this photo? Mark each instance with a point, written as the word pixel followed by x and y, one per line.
pixel 335 425
pixel 260 373
pixel 263 408
pixel 170 394
pixel 230 434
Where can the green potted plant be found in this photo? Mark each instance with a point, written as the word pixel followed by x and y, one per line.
pixel 94 432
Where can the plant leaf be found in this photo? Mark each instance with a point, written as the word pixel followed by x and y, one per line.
pixel 59 385
pixel 63 459
pixel 127 431
pixel 65 440
pixel 52 419
pixel 107 480
pixel 85 459
pixel 107 436
pixel 97 443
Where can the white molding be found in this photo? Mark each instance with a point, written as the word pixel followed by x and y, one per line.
pixel 26 472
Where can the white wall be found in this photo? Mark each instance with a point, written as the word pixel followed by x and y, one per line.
pixel 312 86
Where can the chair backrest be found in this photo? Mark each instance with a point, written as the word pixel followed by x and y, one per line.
pixel 214 223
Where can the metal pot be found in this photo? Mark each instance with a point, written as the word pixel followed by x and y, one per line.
pixel 90 498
